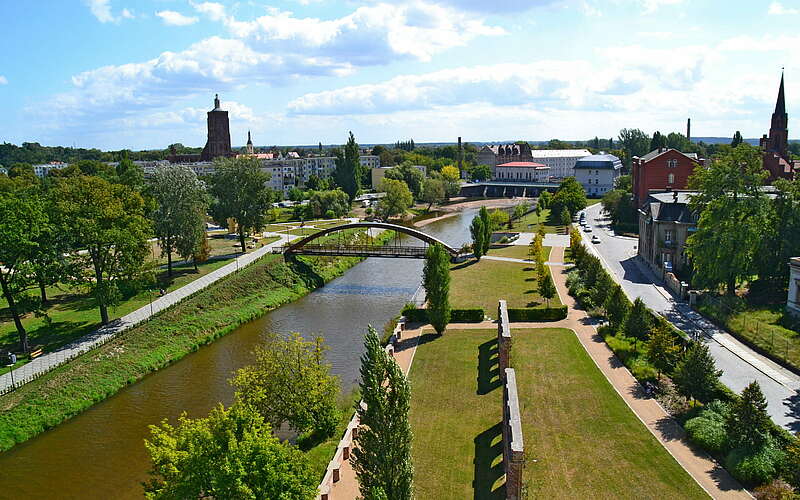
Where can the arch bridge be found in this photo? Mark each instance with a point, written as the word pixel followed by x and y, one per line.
pixel 306 245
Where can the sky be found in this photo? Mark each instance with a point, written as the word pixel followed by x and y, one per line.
pixel 141 74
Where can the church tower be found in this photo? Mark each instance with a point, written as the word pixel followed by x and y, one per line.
pixel 249 144
pixel 778 141
pixel 219 134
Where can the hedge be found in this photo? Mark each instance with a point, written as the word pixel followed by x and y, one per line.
pixel 538 314
pixel 475 315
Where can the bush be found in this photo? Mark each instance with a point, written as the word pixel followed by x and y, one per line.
pixel 753 467
pixel 538 314
pixel 416 315
pixel 708 431
pixel 776 490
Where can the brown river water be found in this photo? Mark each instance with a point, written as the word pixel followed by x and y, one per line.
pixel 100 453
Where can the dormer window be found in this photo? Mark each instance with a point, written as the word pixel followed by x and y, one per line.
pixel 672 163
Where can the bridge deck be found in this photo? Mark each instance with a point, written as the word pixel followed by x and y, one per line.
pixel 408 252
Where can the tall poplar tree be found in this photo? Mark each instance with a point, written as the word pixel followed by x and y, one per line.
pixel 381 456
pixel 478 235
pixel 487 229
pixel 436 281
pixel 348 173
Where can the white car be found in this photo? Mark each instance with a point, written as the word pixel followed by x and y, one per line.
pixel 587 229
pixel 595 239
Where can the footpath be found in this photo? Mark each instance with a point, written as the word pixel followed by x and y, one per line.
pixel 51 360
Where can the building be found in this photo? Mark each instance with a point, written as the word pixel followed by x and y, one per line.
pixel 560 161
pixel 249 146
pixel 378 173
pixel 775 147
pixel 665 222
pixel 598 173
pixel 660 170
pixel 503 153
pixel 793 298
pixel 521 171
pixel 43 170
pixel 219 134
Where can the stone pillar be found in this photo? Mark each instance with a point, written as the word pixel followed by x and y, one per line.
pixel 503 338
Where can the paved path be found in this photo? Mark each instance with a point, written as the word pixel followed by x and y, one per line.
pixel 740 365
pixel 347 486
pixel 48 361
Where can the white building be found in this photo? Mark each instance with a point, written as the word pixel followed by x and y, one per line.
pixel 793 299
pixel 521 171
pixel 597 173
pixel 561 161
pixel 44 169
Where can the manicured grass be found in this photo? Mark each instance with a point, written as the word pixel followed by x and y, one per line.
pixel 276 227
pixel 761 325
pixel 456 412
pixel 584 438
pixel 516 251
pixel 483 283
pixel 304 231
pixel 327 224
pixel 530 223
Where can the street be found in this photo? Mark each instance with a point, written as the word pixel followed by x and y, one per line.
pixel 740 365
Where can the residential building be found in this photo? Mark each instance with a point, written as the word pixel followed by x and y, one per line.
pixel 521 171
pixel 659 170
pixel 775 147
pixel 665 222
pixel 598 173
pixel 793 298
pixel 378 173
pixel 43 170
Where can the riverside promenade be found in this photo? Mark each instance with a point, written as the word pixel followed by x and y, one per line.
pixel 51 360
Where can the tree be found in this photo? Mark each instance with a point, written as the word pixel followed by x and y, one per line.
pixel 634 142
pixel 499 218
pixel 107 220
pixel 748 421
pixel 381 457
pixel 781 235
pixel 616 306
pixel 546 287
pixel 348 171
pixel 412 176
pixel 658 141
pixel 737 139
pixel 432 191
pixel 565 218
pixel 480 173
pixel 436 281
pixel 545 199
pixel 129 174
pixel 296 194
pixel 241 193
pixel 733 218
pixel 231 453
pixel 661 349
pixel 696 376
pixel 202 252
pixel 316 183
pixel 398 198
pixel 521 209
pixel 488 229
pixel 570 195
pixel 478 234
pixel 638 322
pixel 290 382
pixel 179 219
pixel 334 200
pixel 22 222
pixel 452 180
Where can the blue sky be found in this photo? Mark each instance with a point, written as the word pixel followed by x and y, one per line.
pixel 141 74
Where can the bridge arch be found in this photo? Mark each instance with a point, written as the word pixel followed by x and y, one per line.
pixel 299 244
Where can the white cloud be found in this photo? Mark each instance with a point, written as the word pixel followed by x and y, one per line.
pixel 777 8
pixel 373 34
pixel 172 18
pixel 651 6
pixel 126 14
pixel 3 80
pixel 502 7
pixel 101 9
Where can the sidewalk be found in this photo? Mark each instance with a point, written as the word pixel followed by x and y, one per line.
pixel 51 360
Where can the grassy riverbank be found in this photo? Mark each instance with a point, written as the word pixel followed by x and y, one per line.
pixel 211 313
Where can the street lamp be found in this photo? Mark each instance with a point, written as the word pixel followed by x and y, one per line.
pixel 13 359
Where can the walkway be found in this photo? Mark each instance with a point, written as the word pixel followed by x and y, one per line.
pixel 49 361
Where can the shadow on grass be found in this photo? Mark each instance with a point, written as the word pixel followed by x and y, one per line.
pixel 488 367
pixel 464 264
pixel 488 450
pixel 51 336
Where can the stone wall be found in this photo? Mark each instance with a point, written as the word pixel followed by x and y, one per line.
pixel 503 338
pixel 513 449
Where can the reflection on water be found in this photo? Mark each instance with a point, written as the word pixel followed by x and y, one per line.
pixel 100 453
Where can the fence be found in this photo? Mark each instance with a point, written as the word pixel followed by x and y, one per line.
pixel 769 340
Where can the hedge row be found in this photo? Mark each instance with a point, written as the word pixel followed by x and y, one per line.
pixel 474 315
pixel 539 314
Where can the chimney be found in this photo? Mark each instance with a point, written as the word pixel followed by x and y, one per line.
pixel 459 155
pixel 689 129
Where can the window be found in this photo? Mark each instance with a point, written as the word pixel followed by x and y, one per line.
pixel 668 235
pixel 670 178
pixel 672 163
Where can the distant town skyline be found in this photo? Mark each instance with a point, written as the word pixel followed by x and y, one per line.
pixel 118 74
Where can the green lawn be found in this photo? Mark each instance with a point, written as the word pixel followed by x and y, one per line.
pixel 584 438
pixel 456 405
pixel 483 283
pixel 530 223
pixel 516 251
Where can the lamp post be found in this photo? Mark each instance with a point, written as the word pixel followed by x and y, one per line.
pixel 13 359
pixel 150 294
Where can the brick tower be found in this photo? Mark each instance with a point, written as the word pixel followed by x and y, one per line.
pixel 219 134
pixel 775 147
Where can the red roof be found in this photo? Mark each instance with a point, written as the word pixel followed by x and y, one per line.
pixel 528 164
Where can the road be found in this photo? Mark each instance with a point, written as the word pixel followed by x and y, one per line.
pixel 739 364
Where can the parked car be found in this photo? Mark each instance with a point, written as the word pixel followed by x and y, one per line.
pixel 587 229
pixel 595 239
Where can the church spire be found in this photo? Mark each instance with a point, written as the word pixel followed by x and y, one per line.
pixel 780 104
pixel 249 140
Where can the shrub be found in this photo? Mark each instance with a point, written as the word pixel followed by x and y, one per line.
pixel 538 314
pixel 416 315
pixel 708 431
pixel 776 490
pixel 754 466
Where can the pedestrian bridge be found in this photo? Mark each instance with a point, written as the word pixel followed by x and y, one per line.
pixel 307 245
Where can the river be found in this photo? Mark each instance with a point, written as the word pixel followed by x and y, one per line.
pixel 100 453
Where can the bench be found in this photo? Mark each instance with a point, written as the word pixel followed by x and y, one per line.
pixel 38 352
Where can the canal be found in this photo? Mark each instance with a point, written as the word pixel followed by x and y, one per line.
pixel 100 453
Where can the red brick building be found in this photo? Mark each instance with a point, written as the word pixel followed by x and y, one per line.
pixel 660 170
pixel 775 147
